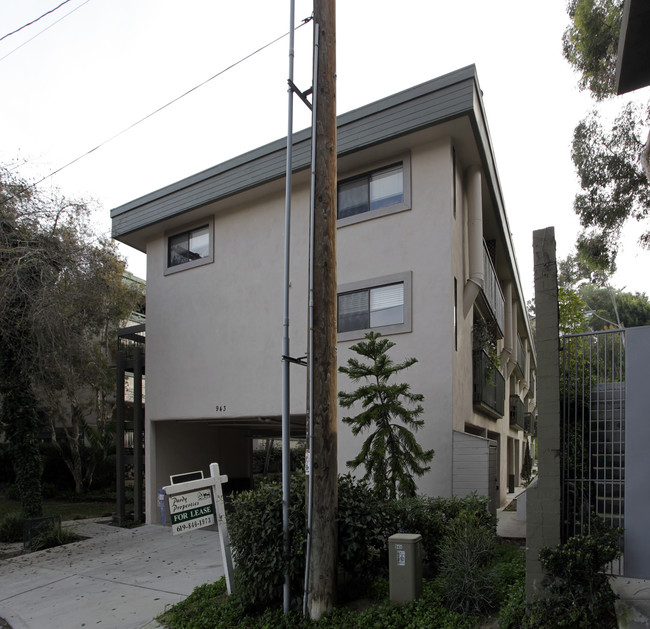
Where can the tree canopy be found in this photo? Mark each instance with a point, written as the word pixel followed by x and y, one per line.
pixel 590 43
pixel 61 291
pixel 613 164
pixel 588 303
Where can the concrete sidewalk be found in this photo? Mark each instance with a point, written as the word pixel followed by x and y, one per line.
pixel 510 523
pixel 116 579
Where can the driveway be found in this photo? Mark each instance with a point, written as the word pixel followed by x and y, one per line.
pixel 115 579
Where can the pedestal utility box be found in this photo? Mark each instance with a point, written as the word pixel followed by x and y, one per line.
pixel 405 567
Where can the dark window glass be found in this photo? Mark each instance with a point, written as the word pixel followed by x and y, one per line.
pixel 371 308
pixel 353 197
pixel 375 190
pixel 354 311
pixel 190 245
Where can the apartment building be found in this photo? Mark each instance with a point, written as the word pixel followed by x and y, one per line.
pixel 424 256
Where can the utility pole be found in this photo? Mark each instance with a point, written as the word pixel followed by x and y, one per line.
pixel 322 572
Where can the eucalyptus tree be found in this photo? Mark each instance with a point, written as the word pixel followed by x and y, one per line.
pixel 612 160
pixel 59 290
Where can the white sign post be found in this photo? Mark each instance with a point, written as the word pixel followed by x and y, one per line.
pixel 192 505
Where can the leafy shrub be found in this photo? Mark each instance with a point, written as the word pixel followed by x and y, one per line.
pixel 509 570
pixel 256 534
pixel 365 521
pixel 11 528
pixel 578 594
pixel 6 464
pixel 430 516
pixel 53 536
pixel 467 576
pixel 362 537
pixel 54 468
pixel 512 613
pixel 208 608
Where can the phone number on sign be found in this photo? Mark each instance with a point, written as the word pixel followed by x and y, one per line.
pixel 193 524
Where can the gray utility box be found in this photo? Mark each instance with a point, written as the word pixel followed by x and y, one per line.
pixel 405 567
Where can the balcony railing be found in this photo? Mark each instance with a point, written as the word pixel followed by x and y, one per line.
pixel 528 423
pixel 520 356
pixel 492 291
pixel 131 337
pixel 516 413
pixel 531 385
pixel 489 385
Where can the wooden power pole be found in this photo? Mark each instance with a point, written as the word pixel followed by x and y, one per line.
pixel 322 573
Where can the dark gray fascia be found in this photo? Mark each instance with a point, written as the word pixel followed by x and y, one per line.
pixel 632 67
pixel 429 104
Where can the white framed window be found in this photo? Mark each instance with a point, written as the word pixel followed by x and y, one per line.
pixel 381 304
pixel 384 190
pixel 190 247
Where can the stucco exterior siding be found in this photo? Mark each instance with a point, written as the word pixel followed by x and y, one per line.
pixel 214 328
pixel 412 241
pixel 214 332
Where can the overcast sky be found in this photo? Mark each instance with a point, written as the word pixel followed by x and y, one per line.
pixel 109 63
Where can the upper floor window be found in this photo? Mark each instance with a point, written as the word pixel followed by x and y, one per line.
pixel 375 193
pixel 189 248
pixel 383 304
pixel 371 307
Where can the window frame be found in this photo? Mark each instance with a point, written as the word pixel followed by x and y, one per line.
pixel 188 228
pixel 377 282
pixel 404 205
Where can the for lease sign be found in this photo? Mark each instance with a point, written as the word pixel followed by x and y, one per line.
pixel 192 510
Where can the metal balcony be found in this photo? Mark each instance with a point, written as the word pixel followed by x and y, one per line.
pixel 492 294
pixel 489 385
pixel 516 413
pixel 520 356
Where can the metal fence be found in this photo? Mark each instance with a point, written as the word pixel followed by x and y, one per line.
pixel 592 398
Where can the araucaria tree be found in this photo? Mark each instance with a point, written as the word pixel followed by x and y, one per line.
pixel 60 293
pixel 391 454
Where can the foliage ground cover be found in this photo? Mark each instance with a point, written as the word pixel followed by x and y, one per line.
pixel 208 607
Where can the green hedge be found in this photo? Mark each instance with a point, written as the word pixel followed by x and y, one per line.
pixel 364 524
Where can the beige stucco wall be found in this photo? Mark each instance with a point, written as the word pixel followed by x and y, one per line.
pixel 214 332
pixel 416 241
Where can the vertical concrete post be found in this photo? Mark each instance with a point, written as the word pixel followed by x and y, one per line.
pixel 543 513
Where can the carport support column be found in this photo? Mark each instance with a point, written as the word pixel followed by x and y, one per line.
pixel 138 437
pixel 119 440
pixel 543 508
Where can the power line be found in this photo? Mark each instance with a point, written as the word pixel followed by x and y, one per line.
pixel 34 21
pixel 153 113
pixel 11 52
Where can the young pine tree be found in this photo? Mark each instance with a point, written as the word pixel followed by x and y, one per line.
pixel 527 467
pixel 391 454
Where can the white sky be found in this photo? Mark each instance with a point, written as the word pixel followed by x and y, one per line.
pixel 112 62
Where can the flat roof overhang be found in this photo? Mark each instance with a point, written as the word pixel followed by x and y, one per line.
pixel 424 106
pixel 633 62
